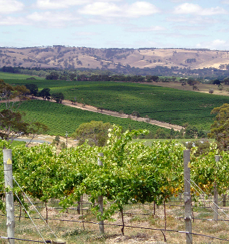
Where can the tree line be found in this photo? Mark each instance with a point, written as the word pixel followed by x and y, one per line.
pixel 45 93
pixel 201 74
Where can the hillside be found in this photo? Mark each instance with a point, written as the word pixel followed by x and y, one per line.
pixel 81 57
pixel 149 101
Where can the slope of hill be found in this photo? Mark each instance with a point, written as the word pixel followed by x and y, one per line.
pixel 81 57
pixel 149 101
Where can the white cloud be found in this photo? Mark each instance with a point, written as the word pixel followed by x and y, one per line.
pixel 194 20
pixel 106 9
pixel 10 6
pixel 217 44
pixel 146 29
pixel 53 19
pixel 84 33
pixel 13 21
pixel 141 9
pixel 190 8
pixel 178 1
pixel 101 8
pixel 225 2
pixel 60 4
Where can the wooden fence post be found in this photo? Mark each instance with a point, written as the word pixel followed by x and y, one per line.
pixel 224 200
pixel 216 202
pixel 187 197
pixel 8 175
pixel 100 199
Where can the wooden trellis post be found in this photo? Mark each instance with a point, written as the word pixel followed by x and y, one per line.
pixel 187 197
pixel 100 199
pixel 216 195
pixel 8 176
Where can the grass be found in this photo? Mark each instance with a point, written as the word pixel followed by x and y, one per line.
pixel 4 76
pixel 160 103
pixel 141 215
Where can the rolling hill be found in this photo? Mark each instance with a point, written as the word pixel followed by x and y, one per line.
pixel 63 57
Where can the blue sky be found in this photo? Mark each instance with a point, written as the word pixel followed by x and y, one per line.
pixel 115 23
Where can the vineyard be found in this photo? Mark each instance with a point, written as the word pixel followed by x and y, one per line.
pixel 127 175
pixel 60 118
pixel 159 103
pixel 4 75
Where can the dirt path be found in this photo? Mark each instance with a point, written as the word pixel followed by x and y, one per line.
pixel 120 115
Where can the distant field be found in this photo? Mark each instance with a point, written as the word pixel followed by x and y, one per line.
pixel 160 103
pixel 204 88
pixel 4 75
pixel 60 118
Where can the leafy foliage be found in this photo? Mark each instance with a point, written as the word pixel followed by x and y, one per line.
pixel 95 133
pixel 45 93
pixel 58 97
pixel 219 129
pixel 33 88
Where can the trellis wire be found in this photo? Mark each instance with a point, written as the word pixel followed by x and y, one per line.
pixel 30 218
pixel 135 227
pixel 200 190
pixel 20 239
pixel 35 207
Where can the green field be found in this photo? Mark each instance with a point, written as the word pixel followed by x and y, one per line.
pixel 4 75
pixel 160 103
pixel 60 118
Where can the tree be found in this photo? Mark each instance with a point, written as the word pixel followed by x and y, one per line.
pixel 45 93
pixel 226 81
pixel 34 129
pixel 52 76
pixel 96 132
pixel 72 76
pixel 220 87
pixel 12 124
pixel 216 82
pixel 192 81
pixel 220 127
pixel 160 134
pixel 191 132
pixel 33 88
pixel 58 97
pixel 135 113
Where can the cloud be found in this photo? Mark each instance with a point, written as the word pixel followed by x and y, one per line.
pixel 146 29
pixel 106 9
pixel 60 4
pixel 177 1
pixel 84 33
pixel 216 44
pixel 7 21
pixel 10 6
pixel 225 2
pixel 190 8
pixel 141 9
pixel 101 8
pixel 54 19
pixel 194 20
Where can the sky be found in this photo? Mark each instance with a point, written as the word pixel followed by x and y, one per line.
pixel 115 23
